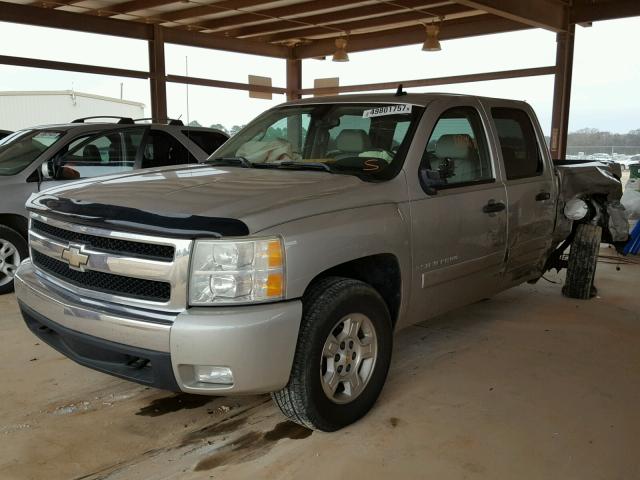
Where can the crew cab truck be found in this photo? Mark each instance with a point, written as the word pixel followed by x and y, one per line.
pixel 286 261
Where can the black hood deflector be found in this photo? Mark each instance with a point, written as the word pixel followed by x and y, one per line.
pixel 126 219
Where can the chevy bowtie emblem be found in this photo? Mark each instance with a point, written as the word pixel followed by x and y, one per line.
pixel 75 257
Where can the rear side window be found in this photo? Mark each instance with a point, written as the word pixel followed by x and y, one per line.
pixel 207 141
pixel 163 150
pixel 518 143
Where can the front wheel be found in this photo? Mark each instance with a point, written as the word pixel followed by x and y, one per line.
pixel 342 357
pixel 13 249
pixel 583 258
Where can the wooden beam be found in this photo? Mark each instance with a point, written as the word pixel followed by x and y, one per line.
pixel 10 12
pixel 135 5
pixel 54 3
pixel 547 14
pixel 593 12
pixel 352 26
pixel 219 42
pixel 158 84
pixel 294 78
pixel 562 93
pixel 130 6
pixel 451 29
pixel 429 82
pixel 344 19
pixel 211 8
pixel 71 67
pixel 276 14
pixel 206 82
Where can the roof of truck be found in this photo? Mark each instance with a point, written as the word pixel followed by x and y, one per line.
pixel 421 99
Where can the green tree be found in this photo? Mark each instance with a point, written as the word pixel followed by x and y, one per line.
pixel 219 126
pixel 194 123
pixel 235 129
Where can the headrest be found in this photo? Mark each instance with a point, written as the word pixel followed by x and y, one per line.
pixel 90 153
pixel 454 146
pixel 353 140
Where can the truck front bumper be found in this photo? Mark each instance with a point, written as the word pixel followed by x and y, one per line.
pixel 257 343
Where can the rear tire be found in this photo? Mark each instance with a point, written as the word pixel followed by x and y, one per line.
pixel 583 258
pixel 13 249
pixel 342 356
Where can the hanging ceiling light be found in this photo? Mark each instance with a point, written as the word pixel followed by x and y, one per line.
pixel 431 43
pixel 340 54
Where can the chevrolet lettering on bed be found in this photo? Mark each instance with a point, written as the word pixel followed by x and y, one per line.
pixel 286 261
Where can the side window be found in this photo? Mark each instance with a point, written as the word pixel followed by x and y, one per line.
pixel 207 141
pixel 164 150
pixel 94 155
pixel 518 143
pixel 457 152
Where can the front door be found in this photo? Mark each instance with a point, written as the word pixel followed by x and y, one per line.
pixel 459 218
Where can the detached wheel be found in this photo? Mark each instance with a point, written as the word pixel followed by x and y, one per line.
pixel 342 357
pixel 583 258
pixel 13 249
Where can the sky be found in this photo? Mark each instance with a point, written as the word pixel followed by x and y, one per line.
pixel 605 94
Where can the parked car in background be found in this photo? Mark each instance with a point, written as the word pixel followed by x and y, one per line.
pixel 285 262
pixel 4 133
pixel 37 158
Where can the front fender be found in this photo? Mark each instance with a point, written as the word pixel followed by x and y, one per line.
pixel 318 243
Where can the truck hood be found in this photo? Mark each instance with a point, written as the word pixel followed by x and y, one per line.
pixel 199 199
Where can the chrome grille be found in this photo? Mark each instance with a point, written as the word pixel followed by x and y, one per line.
pixel 105 282
pixel 111 245
pixel 125 268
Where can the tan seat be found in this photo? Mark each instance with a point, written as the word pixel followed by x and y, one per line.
pixel 353 141
pixel 462 151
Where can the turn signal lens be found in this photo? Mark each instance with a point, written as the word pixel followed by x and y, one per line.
pixel 274 252
pixel 275 285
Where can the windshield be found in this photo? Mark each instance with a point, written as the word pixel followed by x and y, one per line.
pixel 21 148
pixel 368 140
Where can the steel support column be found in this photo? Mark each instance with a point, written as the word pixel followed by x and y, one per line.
pixel 294 78
pixel 562 93
pixel 157 76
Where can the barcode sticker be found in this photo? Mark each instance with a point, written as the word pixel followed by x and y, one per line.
pixel 386 110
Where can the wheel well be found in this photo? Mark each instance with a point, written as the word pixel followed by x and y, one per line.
pixel 16 222
pixel 381 271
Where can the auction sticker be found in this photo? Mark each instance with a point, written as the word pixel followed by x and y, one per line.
pixel 386 110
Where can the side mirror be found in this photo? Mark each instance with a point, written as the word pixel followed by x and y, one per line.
pixel 66 173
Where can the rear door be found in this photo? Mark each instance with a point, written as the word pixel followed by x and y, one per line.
pixel 531 190
pixel 459 228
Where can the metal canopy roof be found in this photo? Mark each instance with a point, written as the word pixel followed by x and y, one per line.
pixel 303 29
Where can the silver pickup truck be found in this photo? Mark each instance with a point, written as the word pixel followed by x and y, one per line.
pixel 285 262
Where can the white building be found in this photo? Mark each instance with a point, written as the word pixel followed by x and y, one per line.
pixel 27 109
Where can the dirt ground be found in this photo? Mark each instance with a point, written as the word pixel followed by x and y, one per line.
pixel 526 385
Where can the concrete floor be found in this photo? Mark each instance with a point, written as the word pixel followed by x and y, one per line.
pixel 527 385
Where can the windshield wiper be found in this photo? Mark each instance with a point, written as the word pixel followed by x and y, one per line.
pixel 304 166
pixel 231 162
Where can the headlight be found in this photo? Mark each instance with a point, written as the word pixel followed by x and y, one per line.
pixel 238 271
pixel 576 209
